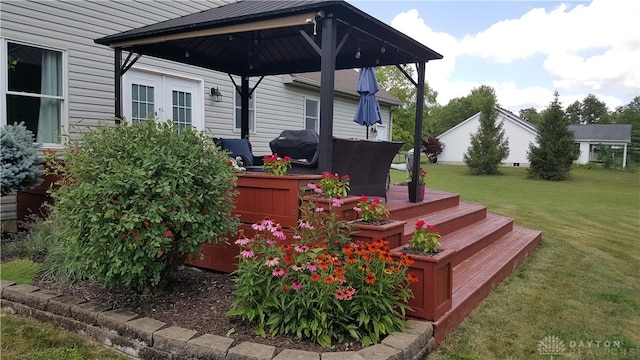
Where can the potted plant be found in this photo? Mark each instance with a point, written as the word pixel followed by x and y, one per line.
pixel 432 268
pixel 422 179
pixel 374 223
pixel 276 165
pixel 330 193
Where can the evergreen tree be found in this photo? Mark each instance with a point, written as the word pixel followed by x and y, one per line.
pixel 489 146
pixel 556 150
pixel 21 161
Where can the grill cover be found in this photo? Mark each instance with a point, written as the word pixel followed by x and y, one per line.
pixel 297 144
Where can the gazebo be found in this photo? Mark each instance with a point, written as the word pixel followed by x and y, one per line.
pixel 260 38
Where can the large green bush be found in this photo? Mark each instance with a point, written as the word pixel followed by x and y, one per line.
pixel 21 163
pixel 137 200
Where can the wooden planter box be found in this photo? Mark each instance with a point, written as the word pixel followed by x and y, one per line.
pixel 31 201
pixel 433 290
pixel 222 256
pixel 277 197
pixel 344 212
pixel 392 232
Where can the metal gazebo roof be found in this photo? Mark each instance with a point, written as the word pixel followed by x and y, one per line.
pixel 254 38
pixel 267 37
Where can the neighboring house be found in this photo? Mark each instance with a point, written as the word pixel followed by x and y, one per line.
pixel 589 136
pixel 519 132
pixel 57 80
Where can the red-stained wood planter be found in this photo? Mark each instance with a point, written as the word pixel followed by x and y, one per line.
pixel 344 212
pixel 434 289
pixel 391 231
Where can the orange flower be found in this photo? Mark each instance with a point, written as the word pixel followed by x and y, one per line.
pixel 315 277
pixel 351 259
pixel 370 279
pixel 412 277
pixel 330 280
pixel 405 260
pixel 338 271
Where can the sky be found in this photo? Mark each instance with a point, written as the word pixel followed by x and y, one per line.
pixel 524 50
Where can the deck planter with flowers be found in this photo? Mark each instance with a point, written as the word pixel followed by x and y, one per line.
pixel 390 230
pixel 344 212
pixel 434 289
pixel 261 194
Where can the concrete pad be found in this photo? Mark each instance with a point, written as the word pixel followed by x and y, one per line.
pixel 115 319
pixel 289 354
pixel 251 351
pixel 345 355
pixel 88 312
pixel 39 299
pixel 17 292
pixel 62 304
pixel 407 343
pixel 143 329
pixel 208 346
pixel 380 352
pixel 173 339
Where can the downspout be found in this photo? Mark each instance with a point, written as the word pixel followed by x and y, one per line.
pixel 391 110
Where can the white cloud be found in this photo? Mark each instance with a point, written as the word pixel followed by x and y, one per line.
pixel 587 49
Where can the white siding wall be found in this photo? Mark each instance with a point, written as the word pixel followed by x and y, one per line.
pixel 583 158
pixel 73 26
pixel 458 140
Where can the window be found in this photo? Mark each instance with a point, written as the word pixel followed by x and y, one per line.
pixel 311 114
pixel 142 102
pixel 34 92
pixel 153 95
pixel 252 112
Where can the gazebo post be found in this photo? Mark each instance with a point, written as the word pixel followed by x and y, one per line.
pixel 244 107
pixel 327 80
pixel 417 139
pixel 117 79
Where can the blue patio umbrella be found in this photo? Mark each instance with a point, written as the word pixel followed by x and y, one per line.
pixel 368 111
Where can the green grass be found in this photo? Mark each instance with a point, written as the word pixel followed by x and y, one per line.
pixel 582 283
pixel 29 339
pixel 20 271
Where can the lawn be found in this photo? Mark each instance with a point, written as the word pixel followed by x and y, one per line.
pixel 581 284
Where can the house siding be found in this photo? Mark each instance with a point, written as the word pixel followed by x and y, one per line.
pixel 72 28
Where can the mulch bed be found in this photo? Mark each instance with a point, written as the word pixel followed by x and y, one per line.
pixel 196 299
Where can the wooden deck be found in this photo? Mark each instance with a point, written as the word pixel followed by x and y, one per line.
pixel 488 246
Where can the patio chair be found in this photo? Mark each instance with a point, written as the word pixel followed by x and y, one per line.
pixel 242 148
pixel 367 162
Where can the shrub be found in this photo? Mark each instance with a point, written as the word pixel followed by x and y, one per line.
pixel 21 162
pixel 137 200
pixel 432 147
pixel 320 288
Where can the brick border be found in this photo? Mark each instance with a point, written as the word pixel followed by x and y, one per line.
pixel 149 339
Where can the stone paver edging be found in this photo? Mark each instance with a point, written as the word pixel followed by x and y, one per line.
pixel 150 339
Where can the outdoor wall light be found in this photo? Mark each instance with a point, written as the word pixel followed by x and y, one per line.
pixel 358 54
pixel 382 49
pixel 217 95
pixel 186 54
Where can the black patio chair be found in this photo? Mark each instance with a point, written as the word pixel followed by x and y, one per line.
pixel 241 148
pixel 367 162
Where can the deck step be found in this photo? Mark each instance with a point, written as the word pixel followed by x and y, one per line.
pixel 450 219
pixel 471 239
pixel 434 200
pixel 474 278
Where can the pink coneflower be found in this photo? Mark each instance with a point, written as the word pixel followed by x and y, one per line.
pixel 297 237
pixel 312 266
pixel 272 261
pixel 279 271
pixel 301 248
pixel 243 240
pixel 337 202
pixel 271 241
pixel 296 286
pixel 304 224
pixel 297 267
pixel 319 209
pixel 277 232
pixel 357 209
pixel 247 252
pixel 312 185
pixel 259 226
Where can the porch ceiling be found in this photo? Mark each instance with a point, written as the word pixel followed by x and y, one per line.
pixel 255 38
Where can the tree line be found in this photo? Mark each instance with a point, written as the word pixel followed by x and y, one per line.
pixel 440 118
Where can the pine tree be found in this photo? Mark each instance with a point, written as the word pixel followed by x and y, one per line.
pixel 21 162
pixel 556 150
pixel 489 146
